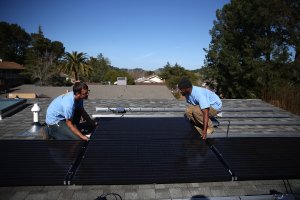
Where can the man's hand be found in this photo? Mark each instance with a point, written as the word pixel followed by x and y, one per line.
pixel 84 138
pixel 75 130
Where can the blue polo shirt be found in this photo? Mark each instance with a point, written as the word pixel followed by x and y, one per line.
pixel 204 98
pixel 62 108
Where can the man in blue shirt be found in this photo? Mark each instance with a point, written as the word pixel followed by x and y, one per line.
pixel 64 113
pixel 202 104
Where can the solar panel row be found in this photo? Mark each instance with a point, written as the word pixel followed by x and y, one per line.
pixel 146 150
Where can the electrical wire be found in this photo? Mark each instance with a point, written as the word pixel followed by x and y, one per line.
pixel 103 196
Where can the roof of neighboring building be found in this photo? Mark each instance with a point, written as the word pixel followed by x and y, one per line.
pixel 149 79
pixel 10 65
pixel 103 91
pixel 247 118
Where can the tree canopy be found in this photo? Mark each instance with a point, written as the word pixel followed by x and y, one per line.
pixel 172 75
pixel 255 44
pixel 100 66
pixel 13 42
pixel 76 63
pixel 114 73
pixel 42 58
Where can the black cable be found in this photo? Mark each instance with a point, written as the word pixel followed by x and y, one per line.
pixel 228 128
pixel 286 190
pixel 290 186
pixel 103 196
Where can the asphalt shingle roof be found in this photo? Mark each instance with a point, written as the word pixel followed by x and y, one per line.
pixel 247 118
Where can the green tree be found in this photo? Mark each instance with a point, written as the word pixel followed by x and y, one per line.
pixel 112 74
pixel 76 63
pixel 138 73
pixel 172 75
pixel 13 42
pixel 100 66
pixel 250 46
pixel 42 58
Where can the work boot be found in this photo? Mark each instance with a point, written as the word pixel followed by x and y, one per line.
pixel 220 114
pixel 210 130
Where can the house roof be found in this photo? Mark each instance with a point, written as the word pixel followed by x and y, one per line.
pixel 10 65
pixel 241 118
pixel 149 79
pixel 103 91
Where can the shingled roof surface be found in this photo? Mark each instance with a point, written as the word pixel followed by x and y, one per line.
pixel 241 118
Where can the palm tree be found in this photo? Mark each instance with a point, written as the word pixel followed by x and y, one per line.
pixel 76 63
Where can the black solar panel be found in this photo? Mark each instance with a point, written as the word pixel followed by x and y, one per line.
pixel 145 151
pixel 148 150
pixel 261 158
pixel 143 128
pixel 27 162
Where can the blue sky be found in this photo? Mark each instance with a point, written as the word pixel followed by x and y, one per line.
pixel 130 33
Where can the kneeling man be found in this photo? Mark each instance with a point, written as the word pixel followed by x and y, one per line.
pixel 202 104
pixel 64 114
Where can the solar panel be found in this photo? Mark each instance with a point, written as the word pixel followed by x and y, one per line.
pixel 148 150
pixel 144 151
pixel 143 128
pixel 36 162
pixel 260 158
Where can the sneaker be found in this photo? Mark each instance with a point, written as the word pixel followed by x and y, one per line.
pixel 44 133
pixel 210 130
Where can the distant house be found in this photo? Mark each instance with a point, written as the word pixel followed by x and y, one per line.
pixel 10 75
pixel 154 79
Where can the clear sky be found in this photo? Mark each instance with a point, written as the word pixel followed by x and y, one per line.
pixel 130 33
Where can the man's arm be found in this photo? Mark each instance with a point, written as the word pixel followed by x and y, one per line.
pixel 75 130
pixel 87 117
pixel 205 122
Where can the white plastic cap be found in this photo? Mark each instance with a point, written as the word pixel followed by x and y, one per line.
pixel 35 108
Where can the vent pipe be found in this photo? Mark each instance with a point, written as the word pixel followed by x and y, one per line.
pixel 35 110
pixel 36 126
